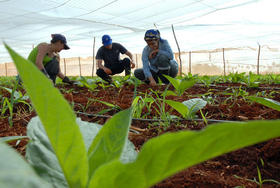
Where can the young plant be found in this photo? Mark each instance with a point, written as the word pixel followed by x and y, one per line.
pixel 188 108
pixel 89 83
pixel 266 102
pixel 139 103
pixel 8 104
pixel 112 106
pixel 100 166
pixel 179 85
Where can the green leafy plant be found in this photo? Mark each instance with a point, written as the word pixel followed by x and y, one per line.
pixel 89 83
pixel 139 103
pixel 179 85
pixel 235 94
pixel 164 115
pixel 112 106
pixel 100 166
pixel 9 103
pixel 266 102
pixel 188 108
pixel 260 181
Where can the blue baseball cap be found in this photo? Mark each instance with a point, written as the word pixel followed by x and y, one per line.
pixel 106 40
pixel 60 37
pixel 152 34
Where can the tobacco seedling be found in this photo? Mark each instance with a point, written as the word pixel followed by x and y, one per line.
pixel 179 85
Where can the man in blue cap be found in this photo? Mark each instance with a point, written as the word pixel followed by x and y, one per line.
pixel 110 54
pixel 157 58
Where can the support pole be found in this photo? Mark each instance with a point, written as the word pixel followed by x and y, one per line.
pixel 190 62
pixel 6 69
pixel 93 55
pixel 224 61
pixel 178 49
pixel 258 62
pixel 136 59
pixel 80 66
pixel 64 63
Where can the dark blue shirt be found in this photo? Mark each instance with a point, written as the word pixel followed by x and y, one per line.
pixel 111 56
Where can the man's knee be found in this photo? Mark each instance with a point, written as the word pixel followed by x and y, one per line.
pixel 163 62
pixel 126 62
pixel 52 67
pixel 174 69
pixel 139 73
pixel 101 73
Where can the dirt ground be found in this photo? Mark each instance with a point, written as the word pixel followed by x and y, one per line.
pixel 235 169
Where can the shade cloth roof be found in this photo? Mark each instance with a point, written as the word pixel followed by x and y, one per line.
pixel 198 24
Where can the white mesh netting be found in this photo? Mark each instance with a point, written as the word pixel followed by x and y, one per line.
pixel 201 26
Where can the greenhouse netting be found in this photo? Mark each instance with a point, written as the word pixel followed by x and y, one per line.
pixel 214 36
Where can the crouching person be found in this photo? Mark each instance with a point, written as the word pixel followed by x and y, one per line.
pixel 46 57
pixel 158 60
pixel 110 54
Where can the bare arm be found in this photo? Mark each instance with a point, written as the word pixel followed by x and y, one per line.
pixel 42 51
pixel 100 66
pixel 131 58
pixel 99 63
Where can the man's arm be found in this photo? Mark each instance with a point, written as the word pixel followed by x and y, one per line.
pixel 146 68
pixel 99 63
pixel 131 58
pixel 100 66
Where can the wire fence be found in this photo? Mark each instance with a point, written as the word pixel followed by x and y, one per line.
pixel 223 61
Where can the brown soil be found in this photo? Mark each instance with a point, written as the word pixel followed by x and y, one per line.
pixel 234 169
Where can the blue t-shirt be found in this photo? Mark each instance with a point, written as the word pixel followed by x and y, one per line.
pixel 111 56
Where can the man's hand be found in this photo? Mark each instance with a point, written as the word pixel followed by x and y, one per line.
pixel 132 64
pixel 107 71
pixel 153 54
pixel 67 80
pixel 152 81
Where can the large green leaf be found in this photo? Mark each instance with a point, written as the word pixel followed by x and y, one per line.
pixel 15 172
pixel 58 120
pixel 266 102
pixel 110 141
pixel 165 155
pixel 40 154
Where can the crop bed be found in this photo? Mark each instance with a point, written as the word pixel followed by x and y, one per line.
pixel 226 102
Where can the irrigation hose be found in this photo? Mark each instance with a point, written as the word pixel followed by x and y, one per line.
pixel 265 88
pixel 158 120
